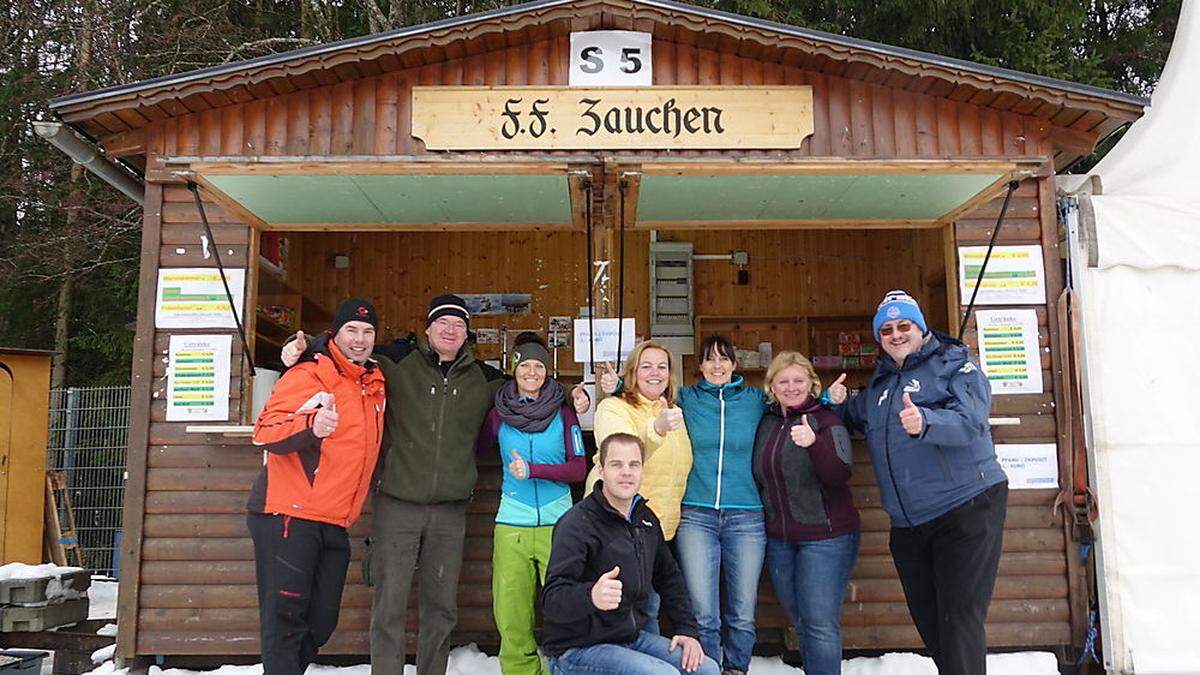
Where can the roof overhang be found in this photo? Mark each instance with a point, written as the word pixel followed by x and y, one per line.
pixel 300 194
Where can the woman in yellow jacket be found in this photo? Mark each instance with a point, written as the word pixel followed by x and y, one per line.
pixel 645 407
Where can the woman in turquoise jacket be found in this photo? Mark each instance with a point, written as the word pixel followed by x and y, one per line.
pixel 721 536
pixel 541 451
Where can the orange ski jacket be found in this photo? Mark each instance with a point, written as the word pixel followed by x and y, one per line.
pixel 326 480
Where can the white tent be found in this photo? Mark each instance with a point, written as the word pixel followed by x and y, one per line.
pixel 1140 300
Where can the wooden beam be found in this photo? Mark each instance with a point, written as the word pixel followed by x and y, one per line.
pixel 837 166
pixel 749 224
pixel 131 142
pixel 253 166
pixel 230 204
pixel 481 226
pixel 993 190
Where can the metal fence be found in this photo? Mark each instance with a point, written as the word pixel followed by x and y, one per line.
pixel 88 431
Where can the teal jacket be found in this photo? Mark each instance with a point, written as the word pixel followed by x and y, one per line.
pixel 721 422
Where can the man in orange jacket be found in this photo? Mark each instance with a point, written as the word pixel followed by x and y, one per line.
pixel 321 431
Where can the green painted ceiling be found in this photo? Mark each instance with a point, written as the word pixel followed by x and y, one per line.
pixel 422 198
pixel 880 196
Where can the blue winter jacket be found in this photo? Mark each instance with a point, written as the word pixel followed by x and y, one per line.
pixel 953 459
pixel 721 421
pixel 556 457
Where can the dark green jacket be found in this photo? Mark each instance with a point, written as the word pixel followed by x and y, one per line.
pixel 431 422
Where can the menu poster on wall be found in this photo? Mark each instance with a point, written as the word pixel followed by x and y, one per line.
pixel 194 297
pixel 198 378
pixel 1029 467
pixel 1008 350
pixel 1015 275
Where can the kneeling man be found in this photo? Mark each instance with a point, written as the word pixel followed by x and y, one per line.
pixel 607 554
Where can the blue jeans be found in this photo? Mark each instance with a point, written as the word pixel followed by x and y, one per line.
pixel 718 548
pixel 810 580
pixel 648 654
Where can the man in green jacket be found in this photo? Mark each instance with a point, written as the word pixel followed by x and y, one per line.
pixel 438 395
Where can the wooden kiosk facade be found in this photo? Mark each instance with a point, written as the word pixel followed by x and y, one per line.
pixel 319 144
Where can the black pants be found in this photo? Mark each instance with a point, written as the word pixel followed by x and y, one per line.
pixel 301 569
pixel 948 569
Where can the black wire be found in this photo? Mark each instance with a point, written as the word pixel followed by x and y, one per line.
pixel 587 218
pixel 624 185
pixel 1012 187
pixel 221 268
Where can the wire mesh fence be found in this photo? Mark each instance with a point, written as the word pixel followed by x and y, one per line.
pixel 88 431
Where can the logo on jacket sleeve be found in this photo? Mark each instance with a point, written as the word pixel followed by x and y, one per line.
pixel 882 398
pixel 967 367
pixel 913 386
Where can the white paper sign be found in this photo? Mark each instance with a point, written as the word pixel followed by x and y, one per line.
pixel 1008 350
pixel 198 378
pixel 610 58
pixel 194 297
pixel 1029 467
pixel 605 344
pixel 1015 275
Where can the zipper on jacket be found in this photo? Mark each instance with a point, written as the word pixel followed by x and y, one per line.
pixel 887 446
pixel 781 504
pixel 720 449
pixel 537 502
pixel 367 414
pixel 438 423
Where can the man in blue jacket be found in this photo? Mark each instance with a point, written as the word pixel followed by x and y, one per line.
pixel 925 415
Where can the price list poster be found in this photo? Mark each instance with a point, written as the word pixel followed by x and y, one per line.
pixel 198 378
pixel 1008 350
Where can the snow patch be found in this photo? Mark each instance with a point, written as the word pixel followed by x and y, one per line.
pixel 23 572
pixel 102 598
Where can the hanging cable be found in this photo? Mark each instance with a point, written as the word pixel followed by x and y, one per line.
pixel 587 224
pixel 221 269
pixel 624 185
pixel 1012 187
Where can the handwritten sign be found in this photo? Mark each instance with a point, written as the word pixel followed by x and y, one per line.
pixel 555 118
pixel 604 341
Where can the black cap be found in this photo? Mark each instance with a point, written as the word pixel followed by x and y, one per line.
pixel 355 309
pixel 448 305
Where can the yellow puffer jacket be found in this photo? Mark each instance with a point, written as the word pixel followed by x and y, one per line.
pixel 668 458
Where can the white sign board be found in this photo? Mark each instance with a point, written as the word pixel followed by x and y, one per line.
pixel 1015 275
pixel 198 378
pixel 610 58
pixel 1008 350
pixel 1029 467
pixel 194 297
pixel 604 346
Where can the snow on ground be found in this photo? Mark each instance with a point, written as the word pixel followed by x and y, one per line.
pixel 469 660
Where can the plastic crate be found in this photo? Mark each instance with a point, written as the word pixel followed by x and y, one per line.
pixel 21 661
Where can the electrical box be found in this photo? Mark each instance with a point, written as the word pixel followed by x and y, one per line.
pixel 671 309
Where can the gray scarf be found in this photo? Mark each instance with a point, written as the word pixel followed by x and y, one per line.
pixel 529 415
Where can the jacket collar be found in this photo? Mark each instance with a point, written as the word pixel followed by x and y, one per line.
pixel 808 406
pixel 734 384
pixel 463 357
pixel 599 501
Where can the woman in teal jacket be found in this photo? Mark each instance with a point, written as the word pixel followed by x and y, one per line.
pixel 721 536
pixel 541 451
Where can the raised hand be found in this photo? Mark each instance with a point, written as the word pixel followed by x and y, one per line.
pixel 837 391
pixel 608 379
pixel 606 592
pixel 579 397
pixel 291 351
pixel 911 418
pixel 802 434
pixel 518 467
pixel 669 418
pixel 326 420
pixel 693 654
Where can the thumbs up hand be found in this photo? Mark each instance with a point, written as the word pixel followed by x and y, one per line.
pixel 518 467
pixel 911 418
pixel 802 434
pixel 325 421
pixel 291 351
pixel 608 380
pixel 580 399
pixel 669 418
pixel 837 390
pixel 606 592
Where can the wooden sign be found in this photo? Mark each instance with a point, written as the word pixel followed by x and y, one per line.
pixel 561 118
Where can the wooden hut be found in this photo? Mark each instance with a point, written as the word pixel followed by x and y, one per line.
pixel 383 166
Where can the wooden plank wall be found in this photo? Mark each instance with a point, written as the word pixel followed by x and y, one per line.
pixel 192 576
pixel 372 116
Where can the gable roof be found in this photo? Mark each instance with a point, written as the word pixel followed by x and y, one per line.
pixel 121 108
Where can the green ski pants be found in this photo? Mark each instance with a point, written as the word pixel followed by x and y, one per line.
pixel 519 559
